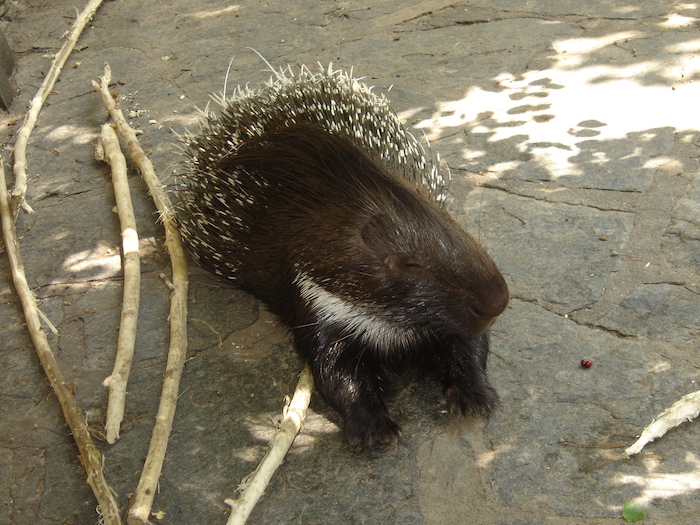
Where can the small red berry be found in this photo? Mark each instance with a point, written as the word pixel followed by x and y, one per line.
pixel 585 363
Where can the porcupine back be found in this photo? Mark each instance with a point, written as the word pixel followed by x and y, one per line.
pixel 330 98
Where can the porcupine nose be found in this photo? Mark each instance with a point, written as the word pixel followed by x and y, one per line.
pixel 491 304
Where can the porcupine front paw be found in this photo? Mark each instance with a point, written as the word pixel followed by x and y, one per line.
pixel 471 402
pixel 381 430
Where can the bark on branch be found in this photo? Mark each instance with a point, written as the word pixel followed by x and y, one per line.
pixel 108 151
pixel 142 498
pixel 90 457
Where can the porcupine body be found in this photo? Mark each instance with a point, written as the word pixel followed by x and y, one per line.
pixel 309 194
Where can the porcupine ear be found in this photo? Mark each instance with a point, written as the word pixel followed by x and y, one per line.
pixel 374 231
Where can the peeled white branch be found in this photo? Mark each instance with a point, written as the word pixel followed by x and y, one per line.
pixel 108 151
pixel 686 408
pixel 142 498
pixel 19 192
pixel 254 485
pixel 90 457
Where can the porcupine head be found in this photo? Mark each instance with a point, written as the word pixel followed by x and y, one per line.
pixel 309 194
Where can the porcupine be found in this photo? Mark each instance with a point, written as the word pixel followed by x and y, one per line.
pixel 309 194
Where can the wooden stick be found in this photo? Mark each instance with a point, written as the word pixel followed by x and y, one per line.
pixel 686 408
pixel 160 198
pixel 108 151
pixel 142 498
pixel 254 485
pixel 90 457
pixel 19 192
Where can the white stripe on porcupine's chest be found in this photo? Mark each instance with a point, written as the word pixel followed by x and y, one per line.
pixel 357 320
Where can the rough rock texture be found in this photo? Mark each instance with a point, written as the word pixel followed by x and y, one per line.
pixel 571 130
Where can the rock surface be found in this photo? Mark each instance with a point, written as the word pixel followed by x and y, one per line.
pixel 571 129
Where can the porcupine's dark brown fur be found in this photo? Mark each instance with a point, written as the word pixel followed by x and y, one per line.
pixel 309 194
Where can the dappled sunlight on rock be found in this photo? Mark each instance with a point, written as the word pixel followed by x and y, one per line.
pixel 656 485
pixel 580 46
pixel 571 132
pixel 541 125
pixel 216 12
pixel 75 134
pixel 100 262
pixel 103 261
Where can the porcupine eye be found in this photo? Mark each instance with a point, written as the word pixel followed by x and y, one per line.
pixel 403 263
pixel 412 264
pixel 381 236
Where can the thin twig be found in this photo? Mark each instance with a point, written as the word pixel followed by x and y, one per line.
pixel 523 221
pixel 142 498
pixel 108 151
pixel 449 135
pixel 19 192
pixel 616 254
pixel 574 444
pixel 90 457
pixel 254 486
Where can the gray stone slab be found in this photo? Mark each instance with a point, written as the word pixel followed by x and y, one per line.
pixel 593 9
pixel 593 407
pixel 682 238
pixel 658 311
pixel 7 66
pixel 529 238
pixel 576 111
